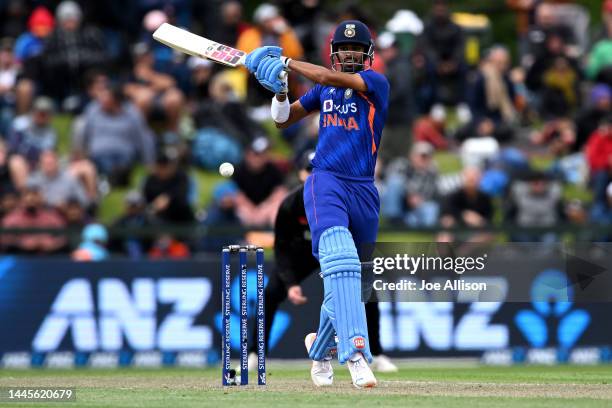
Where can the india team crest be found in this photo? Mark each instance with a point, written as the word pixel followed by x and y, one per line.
pixel 349 30
pixel 348 93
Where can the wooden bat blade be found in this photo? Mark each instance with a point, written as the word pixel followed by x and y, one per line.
pixel 198 46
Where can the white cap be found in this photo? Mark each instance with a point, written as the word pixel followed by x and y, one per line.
pixel 438 113
pixel 265 11
pixel 385 40
pixel 68 10
pixel 609 190
pixel 405 21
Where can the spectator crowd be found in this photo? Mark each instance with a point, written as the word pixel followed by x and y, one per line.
pixel 479 134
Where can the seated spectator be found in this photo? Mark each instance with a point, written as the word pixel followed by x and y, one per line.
pixel 57 185
pixel 559 135
pixel 8 80
pixel 32 134
pixel 601 213
pixel 492 94
pixel 168 247
pixel 114 135
pixel 423 80
pixel 410 189
pixel 270 28
pixel 154 93
pixel 525 15
pixel 13 173
pixel 70 51
pixel 468 207
pixel 9 200
pixel 589 117
pixel 547 24
pixel 93 244
pixel 166 191
pixel 224 112
pixel 227 29
pixel 31 43
pixel 605 30
pixel 430 128
pixel 443 42
pixel 221 212
pixel 261 186
pixel 396 139
pixel 480 150
pixel 598 152
pixel 554 79
pixel 201 75
pixel 32 213
pixel 599 64
pixel 535 202
pixel 134 217
pixel 74 213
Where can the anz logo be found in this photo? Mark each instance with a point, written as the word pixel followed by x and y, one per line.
pixel 282 320
pixel 109 315
pixel 552 306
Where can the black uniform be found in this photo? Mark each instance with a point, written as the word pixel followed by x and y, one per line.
pixel 294 263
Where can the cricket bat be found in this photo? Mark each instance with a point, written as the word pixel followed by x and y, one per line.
pixel 198 46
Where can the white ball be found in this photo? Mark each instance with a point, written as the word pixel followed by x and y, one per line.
pixel 226 169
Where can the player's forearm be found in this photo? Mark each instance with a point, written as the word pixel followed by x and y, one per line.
pixel 327 77
pixel 315 73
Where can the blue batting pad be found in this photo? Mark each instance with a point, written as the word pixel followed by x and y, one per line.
pixel 325 341
pixel 341 271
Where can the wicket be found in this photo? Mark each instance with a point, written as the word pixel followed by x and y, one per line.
pixel 226 348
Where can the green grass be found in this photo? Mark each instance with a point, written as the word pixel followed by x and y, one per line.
pixel 422 385
pixel 448 162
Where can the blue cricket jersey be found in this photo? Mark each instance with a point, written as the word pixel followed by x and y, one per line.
pixel 350 125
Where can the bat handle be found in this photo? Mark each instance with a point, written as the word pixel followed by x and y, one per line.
pixel 283 75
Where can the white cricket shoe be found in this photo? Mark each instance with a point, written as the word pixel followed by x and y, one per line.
pixel 253 361
pixel 322 373
pixel 361 374
pixel 383 364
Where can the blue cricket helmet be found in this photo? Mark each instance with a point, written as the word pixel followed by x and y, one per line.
pixel 352 32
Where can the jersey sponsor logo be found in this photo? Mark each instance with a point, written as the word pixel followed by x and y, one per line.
pixel 328 105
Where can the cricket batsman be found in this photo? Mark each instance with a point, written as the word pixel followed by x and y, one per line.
pixel 340 198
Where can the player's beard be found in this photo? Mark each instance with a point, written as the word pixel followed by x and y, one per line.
pixel 350 64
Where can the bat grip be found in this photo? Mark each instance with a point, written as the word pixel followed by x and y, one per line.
pixel 283 75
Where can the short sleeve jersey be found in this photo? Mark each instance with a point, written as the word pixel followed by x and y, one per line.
pixel 350 125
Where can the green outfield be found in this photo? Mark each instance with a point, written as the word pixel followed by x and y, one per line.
pixel 428 384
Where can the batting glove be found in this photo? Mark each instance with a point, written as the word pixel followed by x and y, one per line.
pixel 254 58
pixel 271 75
